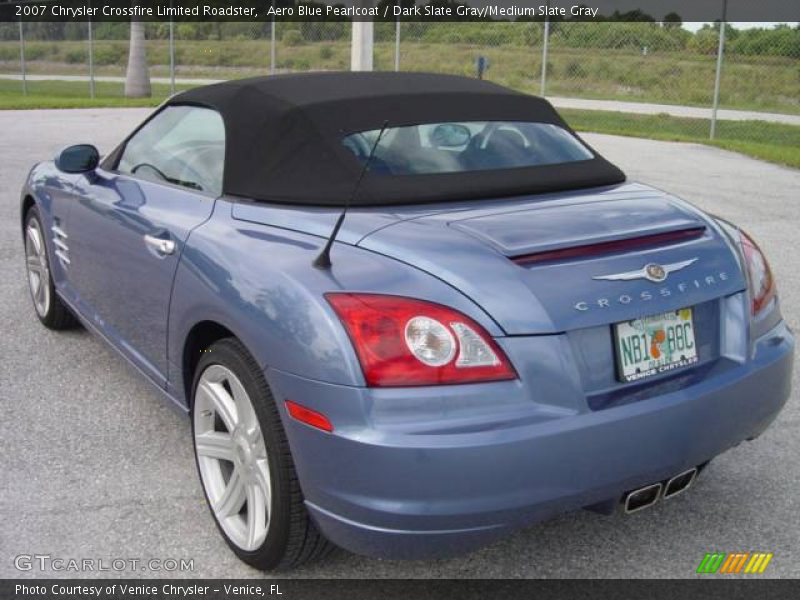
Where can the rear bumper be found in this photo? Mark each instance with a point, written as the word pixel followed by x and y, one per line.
pixel 388 489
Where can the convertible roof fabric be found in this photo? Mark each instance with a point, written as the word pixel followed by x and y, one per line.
pixel 284 137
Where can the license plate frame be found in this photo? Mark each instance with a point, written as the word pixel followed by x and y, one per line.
pixel 677 350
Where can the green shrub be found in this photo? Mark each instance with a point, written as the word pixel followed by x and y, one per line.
pixel 705 41
pixel 533 34
pixel 76 55
pixel 111 31
pixel 157 31
pixel 292 37
pixel 9 53
pixel 37 51
pixel 190 31
pixel 329 31
pixel 110 54
pixel 325 52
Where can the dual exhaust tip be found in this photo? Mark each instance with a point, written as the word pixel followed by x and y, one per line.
pixel 648 495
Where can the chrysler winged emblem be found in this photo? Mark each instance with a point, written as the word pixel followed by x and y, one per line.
pixel 652 272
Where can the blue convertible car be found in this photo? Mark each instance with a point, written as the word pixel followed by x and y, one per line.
pixel 407 313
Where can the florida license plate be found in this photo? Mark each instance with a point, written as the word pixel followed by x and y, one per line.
pixel 655 344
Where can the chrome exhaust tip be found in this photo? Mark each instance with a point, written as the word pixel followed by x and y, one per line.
pixel 642 498
pixel 680 483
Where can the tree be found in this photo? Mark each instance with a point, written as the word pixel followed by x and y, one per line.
pixel 636 15
pixel 137 78
pixel 672 20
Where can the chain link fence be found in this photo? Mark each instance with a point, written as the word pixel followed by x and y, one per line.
pixel 632 62
pixel 602 74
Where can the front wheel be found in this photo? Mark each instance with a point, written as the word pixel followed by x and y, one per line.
pixel 245 465
pixel 51 311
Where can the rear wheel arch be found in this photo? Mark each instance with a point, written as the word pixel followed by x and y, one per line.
pixel 199 339
pixel 292 538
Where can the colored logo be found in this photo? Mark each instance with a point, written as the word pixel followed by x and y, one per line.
pixel 651 272
pixel 658 337
pixel 734 563
pixel 655 273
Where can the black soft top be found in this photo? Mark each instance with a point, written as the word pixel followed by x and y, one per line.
pixel 284 137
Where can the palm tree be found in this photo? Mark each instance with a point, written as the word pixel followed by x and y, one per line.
pixel 137 79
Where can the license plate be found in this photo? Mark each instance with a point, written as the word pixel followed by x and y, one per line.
pixel 655 344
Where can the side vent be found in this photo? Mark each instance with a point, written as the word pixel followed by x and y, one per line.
pixel 60 242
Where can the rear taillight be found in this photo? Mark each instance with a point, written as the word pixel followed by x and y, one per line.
pixel 407 342
pixel 759 275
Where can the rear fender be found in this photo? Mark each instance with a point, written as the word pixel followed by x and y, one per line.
pixel 258 281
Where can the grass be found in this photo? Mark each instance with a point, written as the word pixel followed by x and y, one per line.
pixel 774 142
pixel 70 94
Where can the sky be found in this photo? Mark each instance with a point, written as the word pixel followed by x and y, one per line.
pixel 696 26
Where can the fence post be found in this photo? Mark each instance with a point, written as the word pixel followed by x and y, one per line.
pixel 397 45
pixel 22 59
pixel 720 52
pixel 545 41
pixel 91 62
pixel 272 45
pixel 171 57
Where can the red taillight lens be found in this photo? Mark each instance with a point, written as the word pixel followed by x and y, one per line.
pixel 407 342
pixel 759 275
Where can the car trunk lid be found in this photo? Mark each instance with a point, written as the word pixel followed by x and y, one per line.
pixel 551 264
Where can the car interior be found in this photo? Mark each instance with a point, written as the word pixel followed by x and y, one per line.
pixel 463 147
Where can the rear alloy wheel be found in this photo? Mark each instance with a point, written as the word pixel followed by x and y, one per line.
pixel 244 463
pixel 51 311
pixel 232 457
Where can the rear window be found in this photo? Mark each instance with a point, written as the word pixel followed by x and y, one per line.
pixel 455 147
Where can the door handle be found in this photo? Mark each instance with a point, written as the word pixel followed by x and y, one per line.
pixel 160 245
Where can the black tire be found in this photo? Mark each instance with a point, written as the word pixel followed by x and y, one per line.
pixel 292 538
pixel 57 316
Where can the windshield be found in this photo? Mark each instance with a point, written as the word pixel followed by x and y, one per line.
pixel 455 147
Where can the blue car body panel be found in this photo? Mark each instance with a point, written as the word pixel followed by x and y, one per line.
pixel 112 278
pixel 432 471
pixel 401 488
pixel 526 300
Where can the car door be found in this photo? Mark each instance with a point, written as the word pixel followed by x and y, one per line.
pixel 127 229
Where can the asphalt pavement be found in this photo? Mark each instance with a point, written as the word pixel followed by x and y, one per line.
pixel 94 465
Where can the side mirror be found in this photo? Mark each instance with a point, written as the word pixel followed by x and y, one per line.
pixel 450 135
pixel 81 158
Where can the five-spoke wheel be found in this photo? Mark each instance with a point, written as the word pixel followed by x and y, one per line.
pixel 245 464
pixel 232 457
pixel 50 309
pixel 38 269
